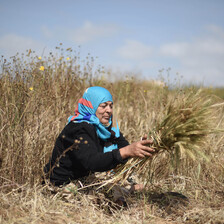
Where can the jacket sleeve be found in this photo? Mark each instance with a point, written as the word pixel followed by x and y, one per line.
pixel 87 152
pixel 122 142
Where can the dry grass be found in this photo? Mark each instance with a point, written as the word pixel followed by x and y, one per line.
pixel 189 118
pixel 34 107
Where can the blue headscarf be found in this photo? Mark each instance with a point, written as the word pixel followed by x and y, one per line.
pixel 86 112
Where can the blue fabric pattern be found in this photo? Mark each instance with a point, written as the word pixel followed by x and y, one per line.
pixel 86 112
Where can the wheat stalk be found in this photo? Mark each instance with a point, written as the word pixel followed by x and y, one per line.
pixel 187 120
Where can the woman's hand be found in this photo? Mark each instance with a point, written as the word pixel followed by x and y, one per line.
pixel 137 149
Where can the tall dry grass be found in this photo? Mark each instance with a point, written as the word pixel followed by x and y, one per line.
pixel 189 118
pixel 35 102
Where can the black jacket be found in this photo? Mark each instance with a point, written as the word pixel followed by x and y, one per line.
pixel 78 151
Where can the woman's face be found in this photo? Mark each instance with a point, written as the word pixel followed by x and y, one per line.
pixel 104 112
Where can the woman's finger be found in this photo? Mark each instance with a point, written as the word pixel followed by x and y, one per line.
pixel 147 141
pixel 141 155
pixel 145 148
pixel 147 154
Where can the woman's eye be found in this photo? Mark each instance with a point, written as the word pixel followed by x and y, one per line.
pixel 105 105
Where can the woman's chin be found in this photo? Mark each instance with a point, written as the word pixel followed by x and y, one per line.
pixel 105 122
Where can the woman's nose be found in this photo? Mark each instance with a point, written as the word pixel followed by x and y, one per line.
pixel 108 109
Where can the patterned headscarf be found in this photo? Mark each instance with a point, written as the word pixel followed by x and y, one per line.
pixel 86 112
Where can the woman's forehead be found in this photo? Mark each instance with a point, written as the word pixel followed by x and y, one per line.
pixel 108 102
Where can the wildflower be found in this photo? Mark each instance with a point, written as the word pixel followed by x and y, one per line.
pixel 41 68
pixel 40 58
pixel 68 58
pixel 31 88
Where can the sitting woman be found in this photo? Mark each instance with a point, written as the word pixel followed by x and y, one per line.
pixel 89 143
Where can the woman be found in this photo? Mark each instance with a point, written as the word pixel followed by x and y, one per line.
pixel 89 143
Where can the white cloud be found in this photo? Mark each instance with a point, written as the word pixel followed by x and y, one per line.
pixel 174 49
pixel 216 31
pixel 200 59
pixel 46 32
pixel 10 44
pixel 89 32
pixel 135 50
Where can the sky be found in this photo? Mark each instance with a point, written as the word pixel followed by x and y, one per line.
pixel 176 39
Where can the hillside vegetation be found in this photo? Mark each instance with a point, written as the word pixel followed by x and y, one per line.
pixel 37 95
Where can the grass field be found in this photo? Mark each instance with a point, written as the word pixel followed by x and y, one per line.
pixel 37 95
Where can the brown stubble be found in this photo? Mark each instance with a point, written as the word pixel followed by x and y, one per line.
pixel 31 119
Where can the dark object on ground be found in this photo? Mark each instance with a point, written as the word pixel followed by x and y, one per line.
pixel 170 201
pixel 121 202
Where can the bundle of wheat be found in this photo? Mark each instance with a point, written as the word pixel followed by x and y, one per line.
pixel 188 119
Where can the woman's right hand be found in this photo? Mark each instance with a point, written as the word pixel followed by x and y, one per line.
pixel 137 149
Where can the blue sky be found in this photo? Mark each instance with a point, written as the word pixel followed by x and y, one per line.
pixel 129 36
